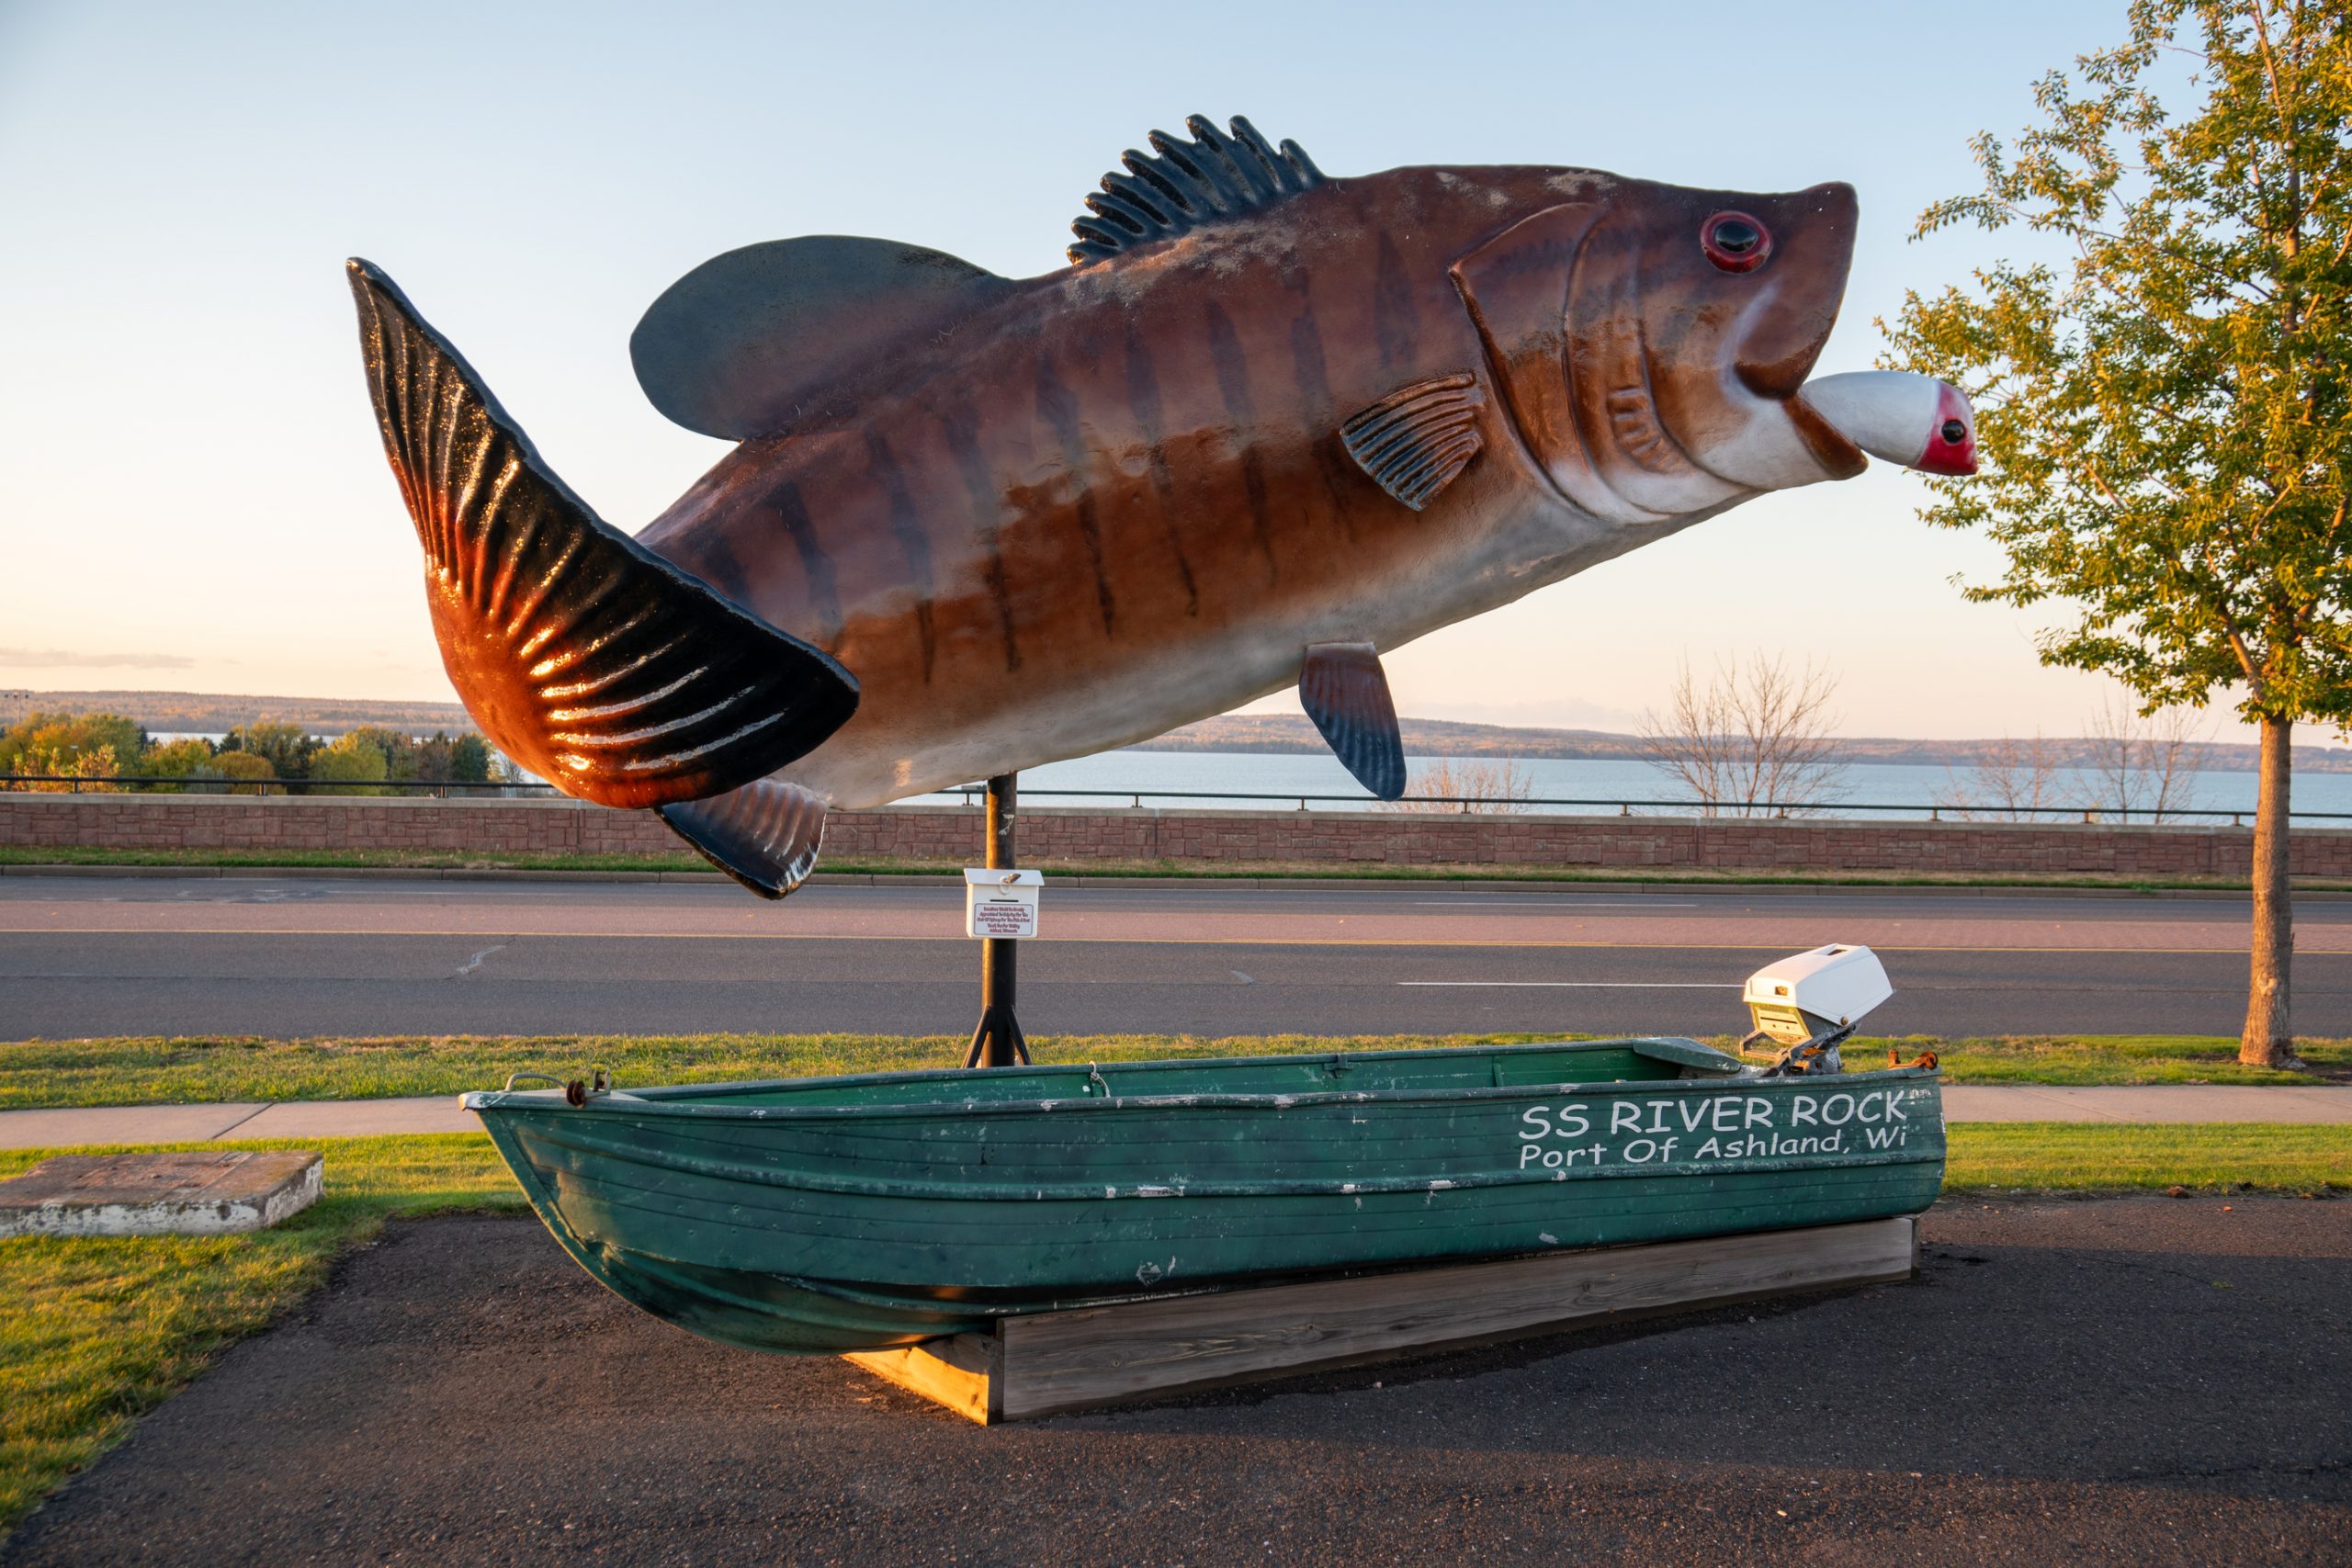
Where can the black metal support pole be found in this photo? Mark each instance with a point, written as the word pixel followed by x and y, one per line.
pixel 997 1042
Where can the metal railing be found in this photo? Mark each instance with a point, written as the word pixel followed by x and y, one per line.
pixel 971 794
pixel 1725 810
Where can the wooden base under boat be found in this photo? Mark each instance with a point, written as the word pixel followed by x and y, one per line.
pixel 1053 1362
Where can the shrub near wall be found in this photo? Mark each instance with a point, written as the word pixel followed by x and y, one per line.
pixel 952 835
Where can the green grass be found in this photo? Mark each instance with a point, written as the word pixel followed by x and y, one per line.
pixel 2103 1158
pixel 2102 1059
pixel 93 1331
pixel 37 1073
pixel 472 860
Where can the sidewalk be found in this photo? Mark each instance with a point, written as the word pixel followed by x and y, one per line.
pixel 440 1113
pixel 2148 1103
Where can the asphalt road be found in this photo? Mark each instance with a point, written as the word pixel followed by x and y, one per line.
pixel 2134 1382
pixel 103 955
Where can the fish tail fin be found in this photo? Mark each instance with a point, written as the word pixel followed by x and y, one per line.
pixel 584 656
pixel 764 835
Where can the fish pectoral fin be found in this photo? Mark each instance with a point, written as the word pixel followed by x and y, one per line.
pixel 1418 439
pixel 750 340
pixel 764 835
pixel 1345 692
pixel 584 656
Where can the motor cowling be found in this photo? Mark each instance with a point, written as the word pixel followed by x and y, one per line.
pixel 1812 994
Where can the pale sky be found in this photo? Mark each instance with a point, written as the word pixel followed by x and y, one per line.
pixel 192 493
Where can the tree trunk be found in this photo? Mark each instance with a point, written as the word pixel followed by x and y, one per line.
pixel 2268 1040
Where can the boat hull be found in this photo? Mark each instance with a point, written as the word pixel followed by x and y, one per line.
pixel 858 1213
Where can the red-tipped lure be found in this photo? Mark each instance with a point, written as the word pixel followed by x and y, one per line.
pixel 1916 421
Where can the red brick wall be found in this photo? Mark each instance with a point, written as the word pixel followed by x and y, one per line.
pixel 952 834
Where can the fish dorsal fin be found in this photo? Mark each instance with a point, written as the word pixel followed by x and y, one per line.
pixel 1345 692
pixel 1191 183
pixel 748 340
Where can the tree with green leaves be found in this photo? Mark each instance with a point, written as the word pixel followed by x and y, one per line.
pixel 57 742
pixel 469 759
pixel 286 748
pixel 230 765
pixel 398 748
pixel 174 760
pixel 2164 416
pixel 353 764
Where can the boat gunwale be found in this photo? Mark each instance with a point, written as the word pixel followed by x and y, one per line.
pixel 1680 1050
pixel 695 1101
pixel 666 1094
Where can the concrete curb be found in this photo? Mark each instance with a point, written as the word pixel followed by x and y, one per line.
pixel 1208 884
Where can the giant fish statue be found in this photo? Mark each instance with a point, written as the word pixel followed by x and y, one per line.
pixel 1266 426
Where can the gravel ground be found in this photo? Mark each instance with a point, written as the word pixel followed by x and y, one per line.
pixel 2132 1380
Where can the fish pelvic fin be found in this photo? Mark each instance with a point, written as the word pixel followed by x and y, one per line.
pixel 584 656
pixel 1345 692
pixel 764 835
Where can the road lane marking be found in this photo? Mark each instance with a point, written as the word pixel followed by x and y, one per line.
pixel 1503 902
pixel 151 932
pixel 1586 985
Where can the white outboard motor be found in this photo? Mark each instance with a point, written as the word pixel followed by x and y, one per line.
pixel 1811 1002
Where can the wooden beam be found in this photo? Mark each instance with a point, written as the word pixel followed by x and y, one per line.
pixel 956 1371
pixel 1052 1362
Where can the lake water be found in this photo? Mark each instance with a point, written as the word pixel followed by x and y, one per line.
pixel 1915 792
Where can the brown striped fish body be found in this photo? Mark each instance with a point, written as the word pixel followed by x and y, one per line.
pixel 1267 425
pixel 1117 499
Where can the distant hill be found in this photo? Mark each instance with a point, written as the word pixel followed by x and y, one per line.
pixel 1423 738
pixel 1449 738
pixel 204 713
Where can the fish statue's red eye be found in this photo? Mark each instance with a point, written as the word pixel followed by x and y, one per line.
pixel 1734 242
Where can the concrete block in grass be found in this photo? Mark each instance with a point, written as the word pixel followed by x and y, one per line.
pixel 197 1193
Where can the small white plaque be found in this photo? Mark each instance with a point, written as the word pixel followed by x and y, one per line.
pixel 1000 903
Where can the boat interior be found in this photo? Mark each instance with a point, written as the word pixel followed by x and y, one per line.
pixel 1435 1070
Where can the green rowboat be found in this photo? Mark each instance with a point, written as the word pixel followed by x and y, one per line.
pixel 819 1215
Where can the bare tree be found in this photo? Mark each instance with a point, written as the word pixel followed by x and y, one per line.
pixel 1471 786
pixel 1758 739
pixel 2178 738
pixel 2008 780
pixel 2143 761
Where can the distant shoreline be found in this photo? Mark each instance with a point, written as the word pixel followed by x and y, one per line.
pixel 204 712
